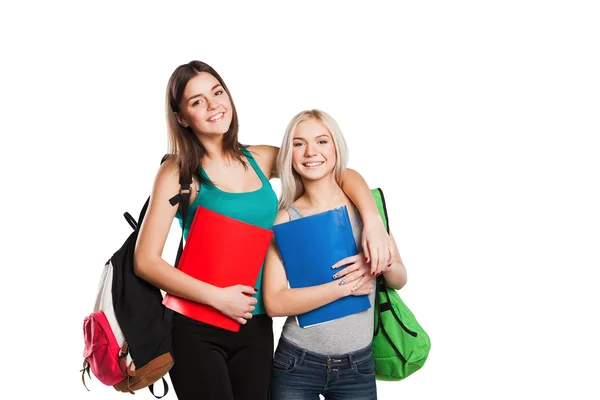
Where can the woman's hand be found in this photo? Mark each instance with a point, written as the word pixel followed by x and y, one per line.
pixel 236 302
pixel 357 275
pixel 366 287
pixel 377 245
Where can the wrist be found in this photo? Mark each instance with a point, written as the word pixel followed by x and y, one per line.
pixel 212 298
pixel 372 219
pixel 340 290
pixel 392 269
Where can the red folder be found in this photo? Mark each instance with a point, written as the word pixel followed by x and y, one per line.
pixel 221 251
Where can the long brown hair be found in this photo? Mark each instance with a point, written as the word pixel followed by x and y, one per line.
pixel 184 145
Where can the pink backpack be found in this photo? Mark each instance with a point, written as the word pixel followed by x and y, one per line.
pixel 101 352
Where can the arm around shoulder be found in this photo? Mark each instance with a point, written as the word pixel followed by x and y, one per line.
pixel 375 241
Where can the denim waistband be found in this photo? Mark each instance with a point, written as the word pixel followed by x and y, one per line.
pixel 287 347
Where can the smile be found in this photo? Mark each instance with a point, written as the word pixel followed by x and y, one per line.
pixel 216 117
pixel 313 164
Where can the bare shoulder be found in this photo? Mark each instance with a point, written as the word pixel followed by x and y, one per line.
pixel 168 172
pixel 266 157
pixel 282 216
pixel 166 181
pixel 263 152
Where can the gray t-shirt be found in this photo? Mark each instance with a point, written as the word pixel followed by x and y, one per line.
pixel 342 335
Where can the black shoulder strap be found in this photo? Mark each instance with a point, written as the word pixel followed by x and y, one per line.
pixel 183 199
pixel 165 389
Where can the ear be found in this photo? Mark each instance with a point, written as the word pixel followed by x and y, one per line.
pixel 181 120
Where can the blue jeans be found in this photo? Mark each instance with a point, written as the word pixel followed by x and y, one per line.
pixel 302 375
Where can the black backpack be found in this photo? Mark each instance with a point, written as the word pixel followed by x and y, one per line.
pixel 144 321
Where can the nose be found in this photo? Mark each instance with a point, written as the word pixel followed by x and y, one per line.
pixel 211 103
pixel 309 150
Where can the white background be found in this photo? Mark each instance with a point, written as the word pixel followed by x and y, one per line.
pixel 477 118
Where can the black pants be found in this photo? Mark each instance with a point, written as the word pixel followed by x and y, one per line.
pixel 213 363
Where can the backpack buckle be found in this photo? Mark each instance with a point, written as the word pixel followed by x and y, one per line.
pixel 183 191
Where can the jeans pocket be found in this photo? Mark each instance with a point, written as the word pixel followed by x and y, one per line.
pixel 365 367
pixel 284 362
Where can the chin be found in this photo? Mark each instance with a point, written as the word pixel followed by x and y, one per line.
pixel 213 132
pixel 317 176
pixel 218 131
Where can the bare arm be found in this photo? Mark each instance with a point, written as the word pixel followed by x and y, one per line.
pixel 150 266
pixel 395 276
pixel 280 300
pixel 375 240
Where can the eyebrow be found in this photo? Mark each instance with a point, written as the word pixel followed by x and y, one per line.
pixel 320 136
pixel 200 94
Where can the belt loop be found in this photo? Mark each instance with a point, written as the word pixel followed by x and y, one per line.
pixel 350 359
pixel 301 358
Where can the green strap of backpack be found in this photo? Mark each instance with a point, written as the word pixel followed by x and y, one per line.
pixel 400 344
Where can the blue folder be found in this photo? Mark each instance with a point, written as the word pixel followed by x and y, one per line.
pixel 309 246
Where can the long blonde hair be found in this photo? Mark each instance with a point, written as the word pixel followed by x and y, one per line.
pixel 291 183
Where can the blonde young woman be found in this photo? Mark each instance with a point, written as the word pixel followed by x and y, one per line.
pixel 231 179
pixel 331 359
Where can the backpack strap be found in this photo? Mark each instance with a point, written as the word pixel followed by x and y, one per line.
pixel 380 286
pixel 165 389
pixel 183 198
pixel 86 368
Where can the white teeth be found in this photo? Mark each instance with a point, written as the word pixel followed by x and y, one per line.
pixel 313 164
pixel 214 118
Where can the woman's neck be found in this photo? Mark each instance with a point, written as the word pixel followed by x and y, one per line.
pixel 323 194
pixel 213 145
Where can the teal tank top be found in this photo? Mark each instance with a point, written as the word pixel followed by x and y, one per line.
pixel 258 208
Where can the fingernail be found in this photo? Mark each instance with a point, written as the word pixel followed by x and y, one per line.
pixel 335 276
pixel 342 282
pixel 255 289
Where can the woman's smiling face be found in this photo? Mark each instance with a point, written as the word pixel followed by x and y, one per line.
pixel 205 106
pixel 313 154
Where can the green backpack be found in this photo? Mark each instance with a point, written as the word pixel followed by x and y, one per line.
pixel 400 345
